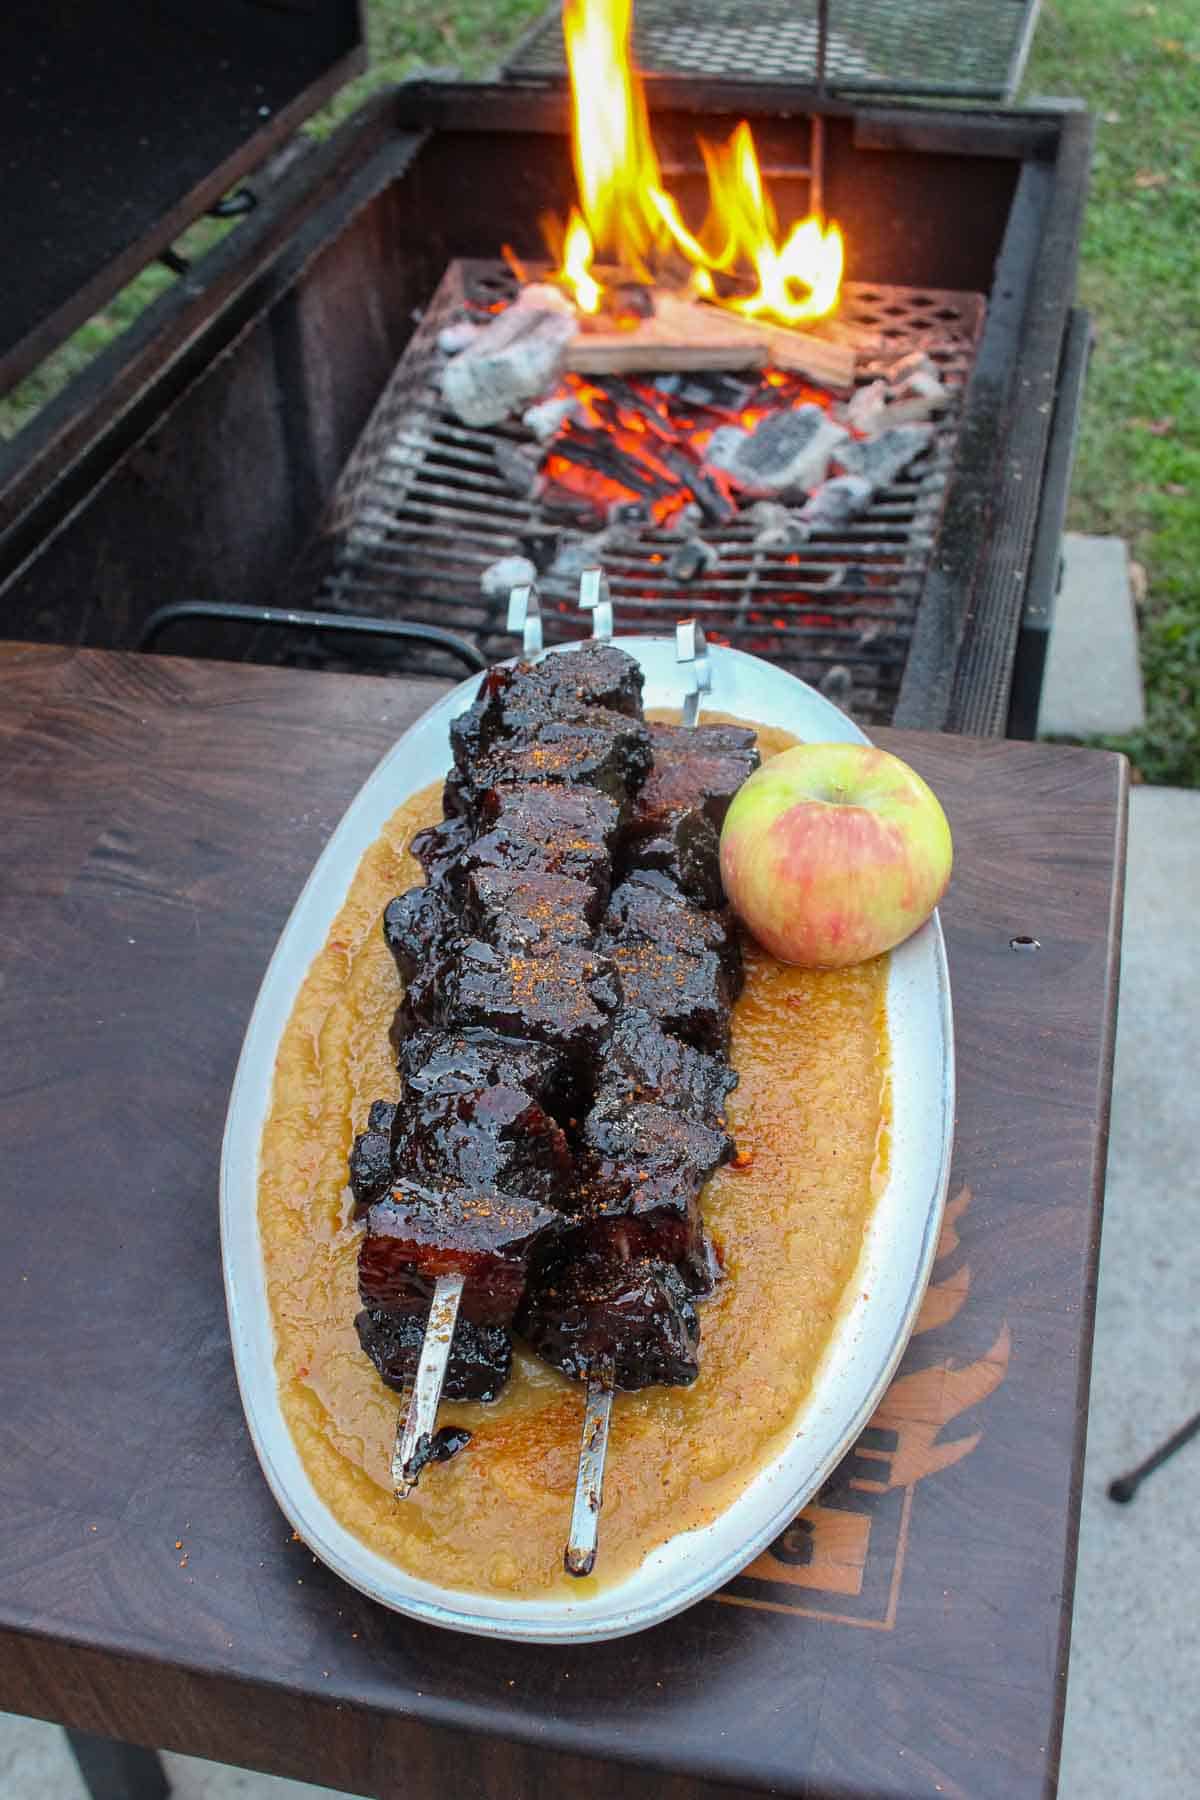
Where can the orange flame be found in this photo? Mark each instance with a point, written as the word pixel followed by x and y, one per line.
pixel 626 215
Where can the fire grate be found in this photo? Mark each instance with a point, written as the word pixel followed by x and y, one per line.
pixel 972 49
pixel 422 510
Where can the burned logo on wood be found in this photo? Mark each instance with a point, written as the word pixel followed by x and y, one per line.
pixel 842 1558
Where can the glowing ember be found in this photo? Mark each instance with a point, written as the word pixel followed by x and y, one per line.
pixel 626 216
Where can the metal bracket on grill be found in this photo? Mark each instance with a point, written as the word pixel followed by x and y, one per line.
pixel 691 650
pixel 595 597
pixel 525 616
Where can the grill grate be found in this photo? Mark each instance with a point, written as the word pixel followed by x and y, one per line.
pixel 421 511
pixel 956 47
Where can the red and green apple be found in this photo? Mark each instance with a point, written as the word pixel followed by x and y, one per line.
pixel 833 853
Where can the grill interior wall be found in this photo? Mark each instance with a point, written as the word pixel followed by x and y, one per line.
pixel 421 510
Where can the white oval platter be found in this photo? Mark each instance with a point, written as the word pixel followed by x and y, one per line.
pixel 873 1326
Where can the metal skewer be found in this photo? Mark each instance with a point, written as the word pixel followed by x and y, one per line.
pixel 691 651
pixel 414 1436
pixel 580 1557
pixel 525 616
pixel 595 597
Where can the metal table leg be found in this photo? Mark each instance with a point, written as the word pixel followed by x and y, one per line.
pixel 116 1771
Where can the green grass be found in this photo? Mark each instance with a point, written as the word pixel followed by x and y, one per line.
pixel 404 36
pixel 1138 470
pixel 71 358
pixel 1138 473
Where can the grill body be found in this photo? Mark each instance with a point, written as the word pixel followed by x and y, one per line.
pixel 196 459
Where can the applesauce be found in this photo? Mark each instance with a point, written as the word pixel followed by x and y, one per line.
pixel 810 1117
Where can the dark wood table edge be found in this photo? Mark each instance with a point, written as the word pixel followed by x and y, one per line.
pixel 1114 935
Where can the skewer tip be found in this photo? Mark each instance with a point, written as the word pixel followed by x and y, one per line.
pixel 579 1558
pixel 414 1436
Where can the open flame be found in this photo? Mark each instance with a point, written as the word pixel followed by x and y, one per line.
pixel 626 215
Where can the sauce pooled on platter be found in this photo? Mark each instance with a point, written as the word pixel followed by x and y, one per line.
pixel 810 1118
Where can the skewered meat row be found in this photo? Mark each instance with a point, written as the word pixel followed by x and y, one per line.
pixel 560 1044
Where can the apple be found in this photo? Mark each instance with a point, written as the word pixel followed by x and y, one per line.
pixel 832 853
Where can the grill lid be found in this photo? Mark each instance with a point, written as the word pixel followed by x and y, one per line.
pixel 122 120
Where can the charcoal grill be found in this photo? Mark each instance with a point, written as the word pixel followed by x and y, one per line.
pixel 222 451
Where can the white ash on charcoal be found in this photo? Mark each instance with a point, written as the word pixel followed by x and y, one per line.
pixel 683 523
pixel 837 684
pixel 836 504
pixel 575 554
pixel 547 418
pixel 788 451
pixel 513 360
pixel 518 466
pixel 776 527
pixel 499 578
pixel 866 411
pixel 713 389
pixel 693 557
pixel 453 338
pixel 883 459
pixel 541 547
pixel 406 452
pixel 905 392
pixel 630 514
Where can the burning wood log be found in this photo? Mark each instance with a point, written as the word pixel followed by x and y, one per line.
pixel 684 335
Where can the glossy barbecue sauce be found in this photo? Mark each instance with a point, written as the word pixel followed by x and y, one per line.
pixel 810 1117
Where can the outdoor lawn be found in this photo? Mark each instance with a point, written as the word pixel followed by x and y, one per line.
pixel 1138 470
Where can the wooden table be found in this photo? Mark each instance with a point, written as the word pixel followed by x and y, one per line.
pixel 907 1636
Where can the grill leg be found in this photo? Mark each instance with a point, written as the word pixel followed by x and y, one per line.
pixel 116 1771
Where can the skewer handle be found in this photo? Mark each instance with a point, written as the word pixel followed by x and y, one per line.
pixel 691 650
pixel 595 597
pixel 525 616
pixel 415 1434
pixel 580 1558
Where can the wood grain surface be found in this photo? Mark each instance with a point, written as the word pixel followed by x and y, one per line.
pixel 907 1636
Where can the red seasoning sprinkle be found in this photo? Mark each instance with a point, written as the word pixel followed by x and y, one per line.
pixel 742 1160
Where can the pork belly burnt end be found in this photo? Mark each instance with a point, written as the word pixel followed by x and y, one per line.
pixel 438 1061
pixel 644 1166
pixel 516 911
pixel 416 928
pixel 510 700
pixel 371 1163
pixel 676 818
pixel 480 1355
pixel 685 847
pixel 681 965
pixel 552 830
pixel 418 1235
pixel 700 766
pixel 562 997
pixel 439 847
pixel 594 748
pixel 593 674
pixel 495 1140
pixel 634 1318
pixel 645 1063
